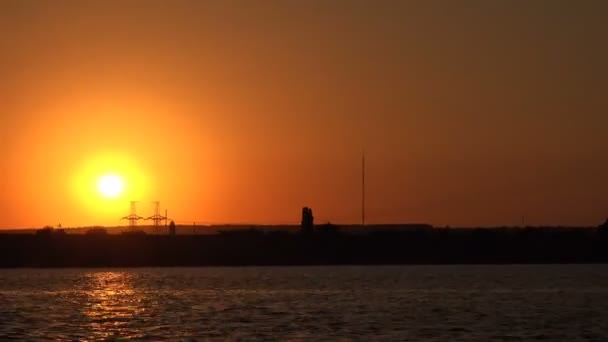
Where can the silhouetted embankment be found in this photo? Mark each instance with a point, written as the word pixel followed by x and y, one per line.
pixel 433 246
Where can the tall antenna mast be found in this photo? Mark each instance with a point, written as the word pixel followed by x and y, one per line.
pixel 363 187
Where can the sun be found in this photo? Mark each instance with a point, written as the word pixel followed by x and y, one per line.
pixel 110 186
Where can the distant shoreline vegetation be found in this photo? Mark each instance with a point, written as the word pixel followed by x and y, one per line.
pixel 210 229
pixel 291 245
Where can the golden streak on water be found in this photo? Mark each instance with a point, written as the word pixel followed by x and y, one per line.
pixel 111 304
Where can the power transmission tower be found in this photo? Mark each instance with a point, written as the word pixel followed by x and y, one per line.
pixel 133 217
pixel 157 217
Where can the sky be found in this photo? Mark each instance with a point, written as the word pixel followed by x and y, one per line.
pixel 470 113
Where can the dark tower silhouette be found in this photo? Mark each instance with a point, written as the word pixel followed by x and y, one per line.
pixel 307 221
pixel 157 217
pixel 133 217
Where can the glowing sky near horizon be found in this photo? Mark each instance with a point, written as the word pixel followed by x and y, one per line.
pixel 470 112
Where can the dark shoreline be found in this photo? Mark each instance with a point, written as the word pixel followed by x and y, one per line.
pixel 255 248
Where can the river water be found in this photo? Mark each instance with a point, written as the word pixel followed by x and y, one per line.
pixel 405 303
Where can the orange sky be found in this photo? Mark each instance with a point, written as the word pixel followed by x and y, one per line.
pixel 470 112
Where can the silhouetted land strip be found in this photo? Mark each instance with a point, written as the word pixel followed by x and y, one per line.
pixel 322 247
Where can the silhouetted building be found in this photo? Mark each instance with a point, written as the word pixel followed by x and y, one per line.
pixel 603 229
pixel 327 228
pixel 46 231
pixel 307 224
pixel 245 233
pixel 172 228
pixel 134 233
pixel 97 231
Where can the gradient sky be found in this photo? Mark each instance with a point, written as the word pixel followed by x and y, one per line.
pixel 470 112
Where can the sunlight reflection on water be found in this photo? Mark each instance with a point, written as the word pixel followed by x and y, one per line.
pixel 431 303
pixel 111 304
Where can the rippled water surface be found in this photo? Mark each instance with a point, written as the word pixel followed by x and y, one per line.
pixel 434 303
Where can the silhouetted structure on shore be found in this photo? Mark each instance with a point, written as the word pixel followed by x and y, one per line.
pixel 157 218
pixel 133 217
pixel 307 226
pixel 97 231
pixel 48 231
pixel 172 228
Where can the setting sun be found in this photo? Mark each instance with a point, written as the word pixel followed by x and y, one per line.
pixel 103 184
pixel 110 186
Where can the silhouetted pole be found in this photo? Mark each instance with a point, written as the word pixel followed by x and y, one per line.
pixel 363 188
